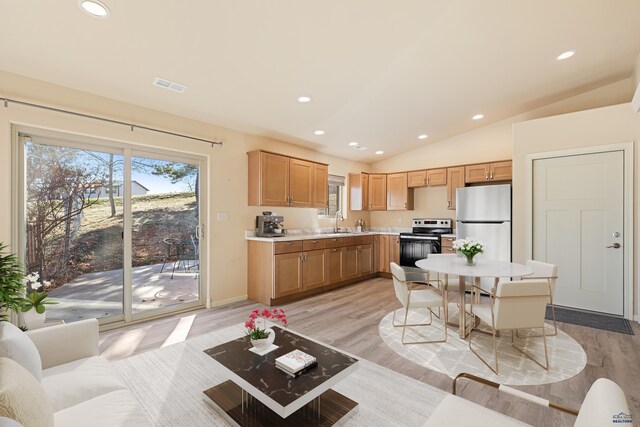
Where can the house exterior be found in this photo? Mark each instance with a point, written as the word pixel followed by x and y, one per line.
pixel 102 192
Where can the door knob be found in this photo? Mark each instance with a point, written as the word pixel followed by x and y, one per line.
pixel 614 246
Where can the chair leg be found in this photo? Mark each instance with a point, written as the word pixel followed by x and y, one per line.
pixel 404 323
pixel 495 348
pixel 546 354
pixel 404 328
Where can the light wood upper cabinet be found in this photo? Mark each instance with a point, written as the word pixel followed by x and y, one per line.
pixel 377 192
pixel 399 195
pixel 417 179
pixel 277 180
pixel 301 183
pixel 487 172
pixel 436 177
pixel 320 185
pixel 367 192
pixel 455 180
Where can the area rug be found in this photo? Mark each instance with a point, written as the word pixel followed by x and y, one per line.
pixel 566 357
pixel 591 320
pixel 169 382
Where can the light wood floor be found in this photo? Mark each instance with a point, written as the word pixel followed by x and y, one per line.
pixel 348 318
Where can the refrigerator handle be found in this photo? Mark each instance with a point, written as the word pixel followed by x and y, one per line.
pixel 482 222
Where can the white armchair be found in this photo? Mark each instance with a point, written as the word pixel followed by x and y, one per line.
pixel 604 405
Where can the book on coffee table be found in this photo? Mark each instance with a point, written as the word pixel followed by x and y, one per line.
pixel 295 362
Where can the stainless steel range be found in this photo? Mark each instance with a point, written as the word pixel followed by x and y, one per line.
pixel 424 239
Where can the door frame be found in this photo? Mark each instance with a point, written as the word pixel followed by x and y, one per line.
pixel 627 210
pixel 70 139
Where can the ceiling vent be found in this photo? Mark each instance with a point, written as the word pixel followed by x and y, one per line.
pixel 360 147
pixel 167 84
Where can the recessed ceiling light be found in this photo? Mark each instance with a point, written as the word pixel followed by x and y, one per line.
pixel 423 136
pixel 304 99
pixel 319 132
pixel 353 144
pixel 379 152
pixel 94 8
pixel 478 116
pixel 566 55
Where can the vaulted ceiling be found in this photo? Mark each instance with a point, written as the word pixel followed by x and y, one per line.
pixel 380 73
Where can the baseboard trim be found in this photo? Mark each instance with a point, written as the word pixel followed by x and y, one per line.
pixel 218 303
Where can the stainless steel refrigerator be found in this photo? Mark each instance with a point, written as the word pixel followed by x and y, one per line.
pixel 484 213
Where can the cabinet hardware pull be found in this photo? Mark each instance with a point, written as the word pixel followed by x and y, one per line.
pixel 491 176
pixel 405 205
pixel 424 180
pixel 486 175
pixel 314 241
pixel 427 180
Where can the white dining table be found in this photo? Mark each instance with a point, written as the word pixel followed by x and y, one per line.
pixel 456 265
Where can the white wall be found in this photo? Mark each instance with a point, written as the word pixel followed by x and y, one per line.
pixel 595 127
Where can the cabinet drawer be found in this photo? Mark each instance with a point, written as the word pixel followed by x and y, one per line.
pixel 287 247
pixel 362 240
pixel 315 244
pixel 447 241
pixel 335 242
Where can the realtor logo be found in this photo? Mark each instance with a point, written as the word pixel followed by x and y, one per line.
pixel 622 418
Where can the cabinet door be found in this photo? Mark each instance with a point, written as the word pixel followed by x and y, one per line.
pixel 358 191
pixel 334 265
pixel 320 185
pixel 447 245
pixel 436 177
pixel 455 180
pixel 365 259
pixel 377 192
pixel 383 253
pixel 394 250
pixel 301 183
pixel 476 173
pixel 288 274
pixel 314 269
pixel 399 196
pixel 350 262
pixel 417 179
pixel 274 180
pixel 500 171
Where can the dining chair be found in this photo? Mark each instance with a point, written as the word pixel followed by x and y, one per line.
pixel 512 305
pixel 548 272
pixel 428 296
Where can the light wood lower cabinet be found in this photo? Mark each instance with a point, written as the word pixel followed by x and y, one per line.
pixel 281 271
pixel 394 250
pixel 383 253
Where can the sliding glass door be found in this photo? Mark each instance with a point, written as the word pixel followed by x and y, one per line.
pixel 114 234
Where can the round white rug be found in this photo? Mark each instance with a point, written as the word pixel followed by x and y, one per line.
pixel 566 357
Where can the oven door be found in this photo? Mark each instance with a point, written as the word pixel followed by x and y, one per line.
pixel 414 248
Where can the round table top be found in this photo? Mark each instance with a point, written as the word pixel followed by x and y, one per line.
pixel 454 264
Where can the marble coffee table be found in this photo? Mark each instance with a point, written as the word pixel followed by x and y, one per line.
pixel 259 394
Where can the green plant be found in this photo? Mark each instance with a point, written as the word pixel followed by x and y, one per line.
pixel 11 287
pixel 36 300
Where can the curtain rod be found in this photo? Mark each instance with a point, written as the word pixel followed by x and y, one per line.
pixel 6 102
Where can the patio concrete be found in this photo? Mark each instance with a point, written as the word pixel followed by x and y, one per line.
pixel 100 294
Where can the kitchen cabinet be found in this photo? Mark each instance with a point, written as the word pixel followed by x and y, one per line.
pixel 383 253
pixel 277 180
pixel 394 250
pixel 399 195
pixel 367 192
pixel 488 172
pixel 447 244
pixel 455 180
pixel 287 270
pixel 427 178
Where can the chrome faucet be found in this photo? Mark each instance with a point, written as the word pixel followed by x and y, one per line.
pixel 341 218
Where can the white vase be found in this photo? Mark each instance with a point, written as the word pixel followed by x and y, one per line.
pixel 264 343
pixel 33 319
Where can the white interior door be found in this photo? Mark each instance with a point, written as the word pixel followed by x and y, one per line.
pixel 578 217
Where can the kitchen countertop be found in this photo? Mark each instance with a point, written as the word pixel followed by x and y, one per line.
pixel 314 235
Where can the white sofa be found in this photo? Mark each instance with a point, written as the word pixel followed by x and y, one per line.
pixel 81 387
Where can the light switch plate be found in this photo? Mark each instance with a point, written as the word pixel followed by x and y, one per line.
pixel 222 216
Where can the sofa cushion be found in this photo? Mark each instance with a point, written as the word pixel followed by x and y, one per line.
pixel 115 409
pixel 454 410
pixel 80 380
pixel 22 397
pixel 16 345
